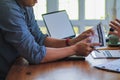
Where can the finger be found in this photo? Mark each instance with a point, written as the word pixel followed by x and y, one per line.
pixel 117 20
pixel 114 26
pixel 88 40
pixel 113 23
pixel 91 31
pixel 116 23
pixel 88 35
pixel 114 33
pixel 89 50
pixel 94 44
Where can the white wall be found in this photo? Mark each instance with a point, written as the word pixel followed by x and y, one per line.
pixel 118 8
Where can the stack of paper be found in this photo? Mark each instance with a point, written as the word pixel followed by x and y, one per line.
pixel 110 66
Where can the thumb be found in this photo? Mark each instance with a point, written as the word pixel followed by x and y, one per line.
pixel 95 44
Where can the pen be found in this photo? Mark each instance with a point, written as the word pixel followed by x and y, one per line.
pixel 95 49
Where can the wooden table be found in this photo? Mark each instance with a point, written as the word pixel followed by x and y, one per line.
pixel 62 70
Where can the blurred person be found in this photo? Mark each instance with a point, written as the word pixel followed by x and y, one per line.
pixel 20 36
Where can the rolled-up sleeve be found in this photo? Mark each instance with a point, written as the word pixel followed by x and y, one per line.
pixel 16 31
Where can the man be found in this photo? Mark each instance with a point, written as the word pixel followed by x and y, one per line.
pixel 116 26
pixel 20 36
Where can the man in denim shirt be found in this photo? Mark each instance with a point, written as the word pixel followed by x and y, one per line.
pixel 20 36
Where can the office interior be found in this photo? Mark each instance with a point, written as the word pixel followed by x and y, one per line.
pixel 83 14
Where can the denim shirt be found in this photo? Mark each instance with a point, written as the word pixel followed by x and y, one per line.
pixel 19 36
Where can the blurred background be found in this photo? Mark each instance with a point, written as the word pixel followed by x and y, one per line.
pixel 83 14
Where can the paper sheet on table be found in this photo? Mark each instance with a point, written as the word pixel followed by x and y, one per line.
pixel 99 35
pixel 110 66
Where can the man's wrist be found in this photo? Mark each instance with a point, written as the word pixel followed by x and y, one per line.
pixel 67 41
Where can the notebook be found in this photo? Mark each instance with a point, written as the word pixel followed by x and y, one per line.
pixel 58 24
pixel 106 54
pixel 110 66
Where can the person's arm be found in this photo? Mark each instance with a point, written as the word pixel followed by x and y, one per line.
pixel 82 48
pixel 55 43
pixel 53 54
pixel 34 28
pixel 52 42
pixel 16 33
pixel 116 26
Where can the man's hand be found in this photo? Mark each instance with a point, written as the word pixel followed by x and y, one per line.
pixel 116 26
pixel 84 48
pixel 82 36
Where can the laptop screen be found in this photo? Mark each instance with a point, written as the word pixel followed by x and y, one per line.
pixel 58 24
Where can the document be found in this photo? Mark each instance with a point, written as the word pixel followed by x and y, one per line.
pixel 110 66
pixel 105 54
pixel 99 35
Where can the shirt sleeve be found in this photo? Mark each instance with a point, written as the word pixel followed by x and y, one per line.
pixel 16 33
pixel 33 26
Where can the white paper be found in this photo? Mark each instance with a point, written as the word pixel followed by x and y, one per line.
pixel 99 35
pixel 110 66
pixel 106 54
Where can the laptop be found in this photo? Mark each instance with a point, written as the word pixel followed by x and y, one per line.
pixel 58 25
